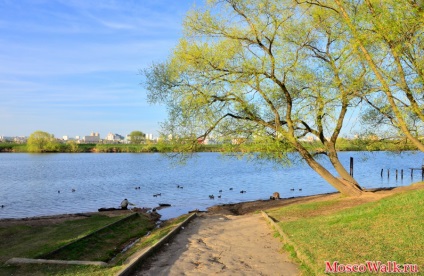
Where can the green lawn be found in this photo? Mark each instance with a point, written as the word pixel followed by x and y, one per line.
pixel 106 243
pixel 39 241
pixel 31 241
pixel 391 229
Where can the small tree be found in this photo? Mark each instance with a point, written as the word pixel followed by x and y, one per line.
pixel 40 141
pixel 137 137
pixel 72 146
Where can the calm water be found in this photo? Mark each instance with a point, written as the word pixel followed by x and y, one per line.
pixel 29 183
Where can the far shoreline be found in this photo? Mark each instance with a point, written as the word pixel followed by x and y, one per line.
pixel 165 146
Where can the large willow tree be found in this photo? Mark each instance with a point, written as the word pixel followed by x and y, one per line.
pixel 389 39
pixel 265 73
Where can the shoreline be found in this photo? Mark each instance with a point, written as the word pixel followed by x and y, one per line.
pixel 240 208
pixel 237 209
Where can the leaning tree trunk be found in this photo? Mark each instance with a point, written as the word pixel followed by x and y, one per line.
pixel 332 155
pixel 343 186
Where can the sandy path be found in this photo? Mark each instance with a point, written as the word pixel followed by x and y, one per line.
pixel 224 245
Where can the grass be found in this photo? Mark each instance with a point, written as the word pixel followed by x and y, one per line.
pixel 106 243
pixel 30 241
pixel 390 229
pixel 152 238
pixel 38 241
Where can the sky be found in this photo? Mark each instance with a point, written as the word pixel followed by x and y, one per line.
pixel 72 67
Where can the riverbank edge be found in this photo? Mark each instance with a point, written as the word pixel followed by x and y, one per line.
pixel 135 259
pixel 238 208
pixel 303 260
pixel 233 207
pixel 128 266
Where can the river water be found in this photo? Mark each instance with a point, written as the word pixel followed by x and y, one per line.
pixel 42 184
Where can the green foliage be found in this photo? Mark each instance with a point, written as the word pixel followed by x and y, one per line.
pixel 7 146
pixel 41 141
pixel 389 37
pixel 133 148
pixel 137 137
pixel 72 146
pixel 254 149
pixel 86 147
pixel 286 70
pixel 246 74
pixel 369 144
pixel 12 147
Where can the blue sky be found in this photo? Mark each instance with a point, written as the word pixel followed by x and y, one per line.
pixel 70 67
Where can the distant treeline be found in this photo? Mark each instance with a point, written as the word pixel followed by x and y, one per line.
pixel 105 148
pixel 163 147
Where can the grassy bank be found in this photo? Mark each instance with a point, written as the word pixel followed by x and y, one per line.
pixel 65 240
pixel 390 229
pixel 34 239
pixel 31 240
pixel 105 243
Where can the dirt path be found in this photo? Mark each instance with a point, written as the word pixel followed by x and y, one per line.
pixel 224 245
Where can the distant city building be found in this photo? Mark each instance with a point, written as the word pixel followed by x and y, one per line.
pixel 20 139
pixel 114 137
pixel 7 138
pixel 93 138
pixel 110 137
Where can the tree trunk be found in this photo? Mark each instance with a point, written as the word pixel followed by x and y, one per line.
pixel 344 186
pixel 332 155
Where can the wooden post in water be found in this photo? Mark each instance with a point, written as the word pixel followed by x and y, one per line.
pixel 401 174
pixel 396 174
pixel 351 166
pixel 388 173
pixel 381 174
